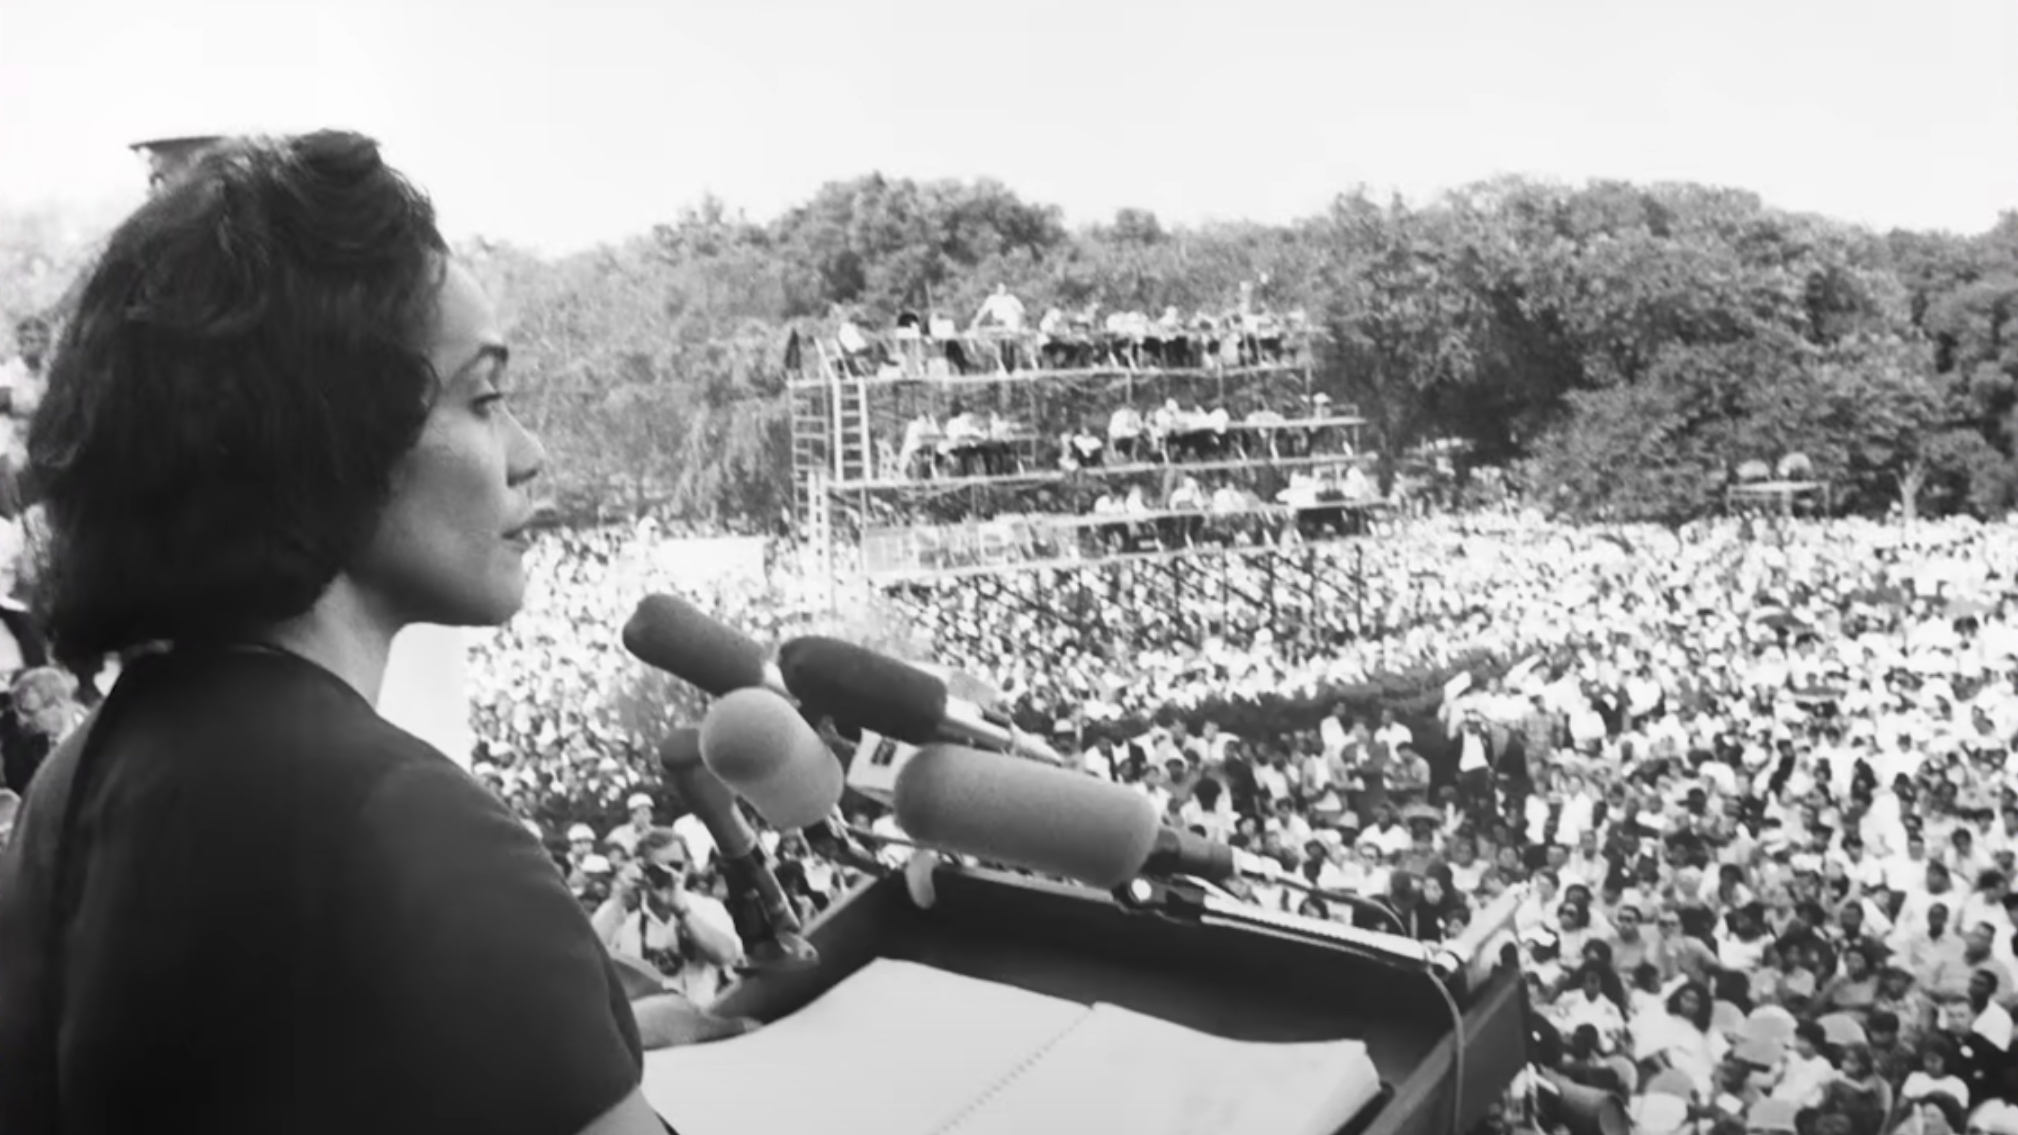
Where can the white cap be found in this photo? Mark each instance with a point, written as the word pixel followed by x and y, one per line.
pixel 581 832
pixel 638 800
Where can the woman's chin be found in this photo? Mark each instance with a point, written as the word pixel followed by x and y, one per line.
pixel 490 605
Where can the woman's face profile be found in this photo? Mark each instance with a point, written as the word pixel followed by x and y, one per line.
pixel 449 546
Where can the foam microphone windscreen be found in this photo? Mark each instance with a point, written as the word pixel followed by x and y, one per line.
pixel 757 744
pixel 1035 816
pixel 864 688
pixel 671 634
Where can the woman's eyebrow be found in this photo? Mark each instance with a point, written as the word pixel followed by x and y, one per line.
pixel 496 353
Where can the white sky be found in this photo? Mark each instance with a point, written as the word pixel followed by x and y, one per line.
pixel 564 123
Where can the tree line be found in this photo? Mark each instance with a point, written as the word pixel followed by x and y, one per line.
pixel 1618 350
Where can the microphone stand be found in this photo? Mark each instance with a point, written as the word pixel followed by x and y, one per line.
pixel 781 947
pixel 1357 902
pixel 1186 900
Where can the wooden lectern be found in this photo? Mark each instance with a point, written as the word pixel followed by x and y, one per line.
pixel 1244 984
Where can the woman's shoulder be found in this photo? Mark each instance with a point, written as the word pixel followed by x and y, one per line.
pixel 260 728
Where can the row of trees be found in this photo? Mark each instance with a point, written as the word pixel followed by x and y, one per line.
pixel 1625 348
pixel 1619 349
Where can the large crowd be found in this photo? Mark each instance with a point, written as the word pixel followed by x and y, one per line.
pixel 1750 782
pixel 1749 779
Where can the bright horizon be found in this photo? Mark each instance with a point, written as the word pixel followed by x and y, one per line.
pixel 559 127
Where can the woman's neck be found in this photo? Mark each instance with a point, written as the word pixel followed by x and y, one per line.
pixel 343 634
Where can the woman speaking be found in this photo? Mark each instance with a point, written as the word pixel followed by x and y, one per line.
pixel 237 900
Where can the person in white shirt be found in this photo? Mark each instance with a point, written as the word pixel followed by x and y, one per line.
pixel 1209 807
pixel 1293 828
pixel 23 380
pixel 1272 779
pixel 1124 433
pixel 1392 734
pixel 651 915
pixel 1938 1059
pixel 695 836
pixel 1001 309
pixel 1004 311
pixel 1333 870
pixel 1907 871
pixel 1808 1072
pixel 1989 1019
pixel 922 436
pixel 1965 862
pixel 1863 871
pixel 1474 766
pixel 1539 907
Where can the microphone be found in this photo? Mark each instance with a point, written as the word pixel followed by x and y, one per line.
pixel 895 699
pixel 668 633
pixel 757 744
pixel 744 865
pixel 1105 835
pixel 1049 820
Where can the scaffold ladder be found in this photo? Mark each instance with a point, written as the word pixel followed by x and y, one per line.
pixel 819 533
pixel 854 450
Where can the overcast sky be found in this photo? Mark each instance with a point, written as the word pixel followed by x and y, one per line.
pixel 562 124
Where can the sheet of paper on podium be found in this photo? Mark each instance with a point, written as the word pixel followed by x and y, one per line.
pixel 904 1049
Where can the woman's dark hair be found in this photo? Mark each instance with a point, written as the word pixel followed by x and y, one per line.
pixel 1442 874
pixel 1949 1107
pixel 1941 1046
pixel 1608 981
pixel 1701 1017
pixel 1733 987
pixel 241 374
pixel 1872 953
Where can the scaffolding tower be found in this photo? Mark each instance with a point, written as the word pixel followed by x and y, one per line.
pixel 1006 521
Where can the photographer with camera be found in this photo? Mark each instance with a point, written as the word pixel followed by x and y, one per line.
pixel 652 915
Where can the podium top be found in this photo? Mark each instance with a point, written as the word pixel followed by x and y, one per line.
pixel 1240 984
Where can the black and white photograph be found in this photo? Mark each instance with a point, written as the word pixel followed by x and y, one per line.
pixel 1289 568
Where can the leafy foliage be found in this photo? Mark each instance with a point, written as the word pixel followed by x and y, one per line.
pixel 1623 347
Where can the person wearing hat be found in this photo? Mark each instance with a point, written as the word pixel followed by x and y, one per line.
pixel 627 834
pixel 581 846
pixel 1914 1012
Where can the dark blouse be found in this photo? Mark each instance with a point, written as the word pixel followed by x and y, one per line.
pixel 275 912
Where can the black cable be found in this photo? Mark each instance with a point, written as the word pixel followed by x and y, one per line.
pixel 1457 1053
pixel 1357 902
